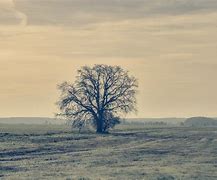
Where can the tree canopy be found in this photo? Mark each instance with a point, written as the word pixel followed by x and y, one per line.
pixel 99 96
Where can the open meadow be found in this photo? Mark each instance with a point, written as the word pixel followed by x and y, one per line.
pixel 128 152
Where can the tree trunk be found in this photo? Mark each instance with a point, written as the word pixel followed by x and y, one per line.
pixel 100 125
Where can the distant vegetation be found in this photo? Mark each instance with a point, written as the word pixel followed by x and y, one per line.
pixel 145 123
pixel 30 120
pixel 200 122
pixel 169 120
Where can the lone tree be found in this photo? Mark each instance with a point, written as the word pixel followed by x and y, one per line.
pixel 98 97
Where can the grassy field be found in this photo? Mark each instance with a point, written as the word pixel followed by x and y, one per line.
pixel 129 152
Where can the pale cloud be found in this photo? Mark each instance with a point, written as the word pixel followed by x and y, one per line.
pixel 10 15
pixel 81 13
pixel 76 12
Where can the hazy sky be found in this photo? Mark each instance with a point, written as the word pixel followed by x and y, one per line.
pixel 169 45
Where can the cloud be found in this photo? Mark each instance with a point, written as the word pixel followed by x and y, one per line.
pixel 83 12
pixel 9 15
pixel 78 13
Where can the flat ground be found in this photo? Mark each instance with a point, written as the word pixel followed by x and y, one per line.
pixel 129 152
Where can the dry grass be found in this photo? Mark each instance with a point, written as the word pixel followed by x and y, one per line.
pixel 53 152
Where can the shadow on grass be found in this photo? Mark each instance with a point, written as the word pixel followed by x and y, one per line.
pixel 9 169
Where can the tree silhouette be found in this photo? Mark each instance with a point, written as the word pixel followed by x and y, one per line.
pixel 98 97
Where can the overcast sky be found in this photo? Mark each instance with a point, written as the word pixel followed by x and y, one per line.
pixel 169 45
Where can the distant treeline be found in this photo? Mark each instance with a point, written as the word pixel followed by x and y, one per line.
pixel 200 122
pixel 148 123
pixel 30 120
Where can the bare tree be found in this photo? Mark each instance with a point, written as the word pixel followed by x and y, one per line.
pixel 98 97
